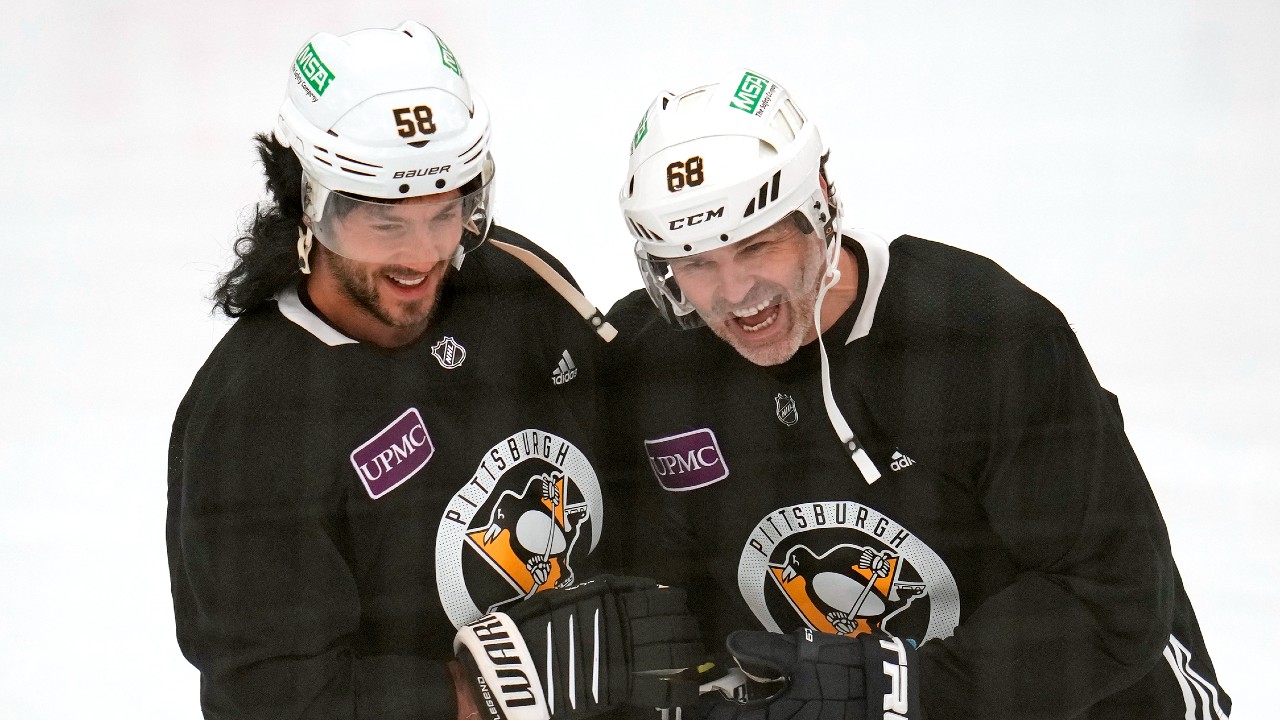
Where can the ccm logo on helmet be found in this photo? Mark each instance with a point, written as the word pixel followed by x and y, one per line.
pixel 420 172
pixel 695 219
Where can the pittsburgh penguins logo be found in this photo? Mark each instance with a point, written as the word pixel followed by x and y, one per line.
pixel 848 590
pixel 528 515
pixel 529 537
pixel 843 568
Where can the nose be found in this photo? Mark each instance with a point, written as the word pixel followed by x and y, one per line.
pixel 735 282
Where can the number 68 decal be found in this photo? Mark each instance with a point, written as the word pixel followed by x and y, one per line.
pixel 420 122
pixel 684 173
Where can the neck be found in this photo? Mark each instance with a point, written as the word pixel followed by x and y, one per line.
pixel 840 297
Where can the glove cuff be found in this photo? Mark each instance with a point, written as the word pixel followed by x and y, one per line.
pixel 501 670
pixel 893 678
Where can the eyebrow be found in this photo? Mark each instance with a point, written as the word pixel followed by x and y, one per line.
pixel 388 211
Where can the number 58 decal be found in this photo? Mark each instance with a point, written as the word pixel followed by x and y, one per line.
pixel 419 123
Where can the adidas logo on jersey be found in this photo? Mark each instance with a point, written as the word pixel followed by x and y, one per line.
pixel 565 371
pixel 900 461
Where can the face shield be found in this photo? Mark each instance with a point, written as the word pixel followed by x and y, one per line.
pixel 745 287
pixel 413 231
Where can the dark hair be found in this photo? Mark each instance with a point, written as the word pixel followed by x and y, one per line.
pixel 266 253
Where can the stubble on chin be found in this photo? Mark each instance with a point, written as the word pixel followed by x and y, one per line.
pixel 361 288
pixel 778 351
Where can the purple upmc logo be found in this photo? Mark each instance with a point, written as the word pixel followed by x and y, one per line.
pixel 687 461
pixel 393 455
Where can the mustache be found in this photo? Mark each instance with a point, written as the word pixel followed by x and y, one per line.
pixel 771 293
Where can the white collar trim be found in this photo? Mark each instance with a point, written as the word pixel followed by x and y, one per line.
pixel 877 252
pixel 292 308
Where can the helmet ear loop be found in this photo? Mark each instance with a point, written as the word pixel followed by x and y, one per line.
pixel 830 221
pixel 304 249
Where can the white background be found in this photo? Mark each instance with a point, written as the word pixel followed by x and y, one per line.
pixel 1121 158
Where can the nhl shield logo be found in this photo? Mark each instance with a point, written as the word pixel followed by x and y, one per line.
pixel 785 406
pixel 449 353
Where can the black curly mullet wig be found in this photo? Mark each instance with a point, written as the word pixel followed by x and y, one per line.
pixel 266 253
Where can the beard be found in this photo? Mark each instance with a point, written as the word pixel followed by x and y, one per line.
pixel 359 284
pixel 795 306
pixel 798 314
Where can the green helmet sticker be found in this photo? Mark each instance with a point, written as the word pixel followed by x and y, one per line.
pixel 447 57
pixel 750 90
pixel 641 131
pixel 316 73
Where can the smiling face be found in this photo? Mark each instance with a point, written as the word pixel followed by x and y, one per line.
pixel 757 294
pixel 381 269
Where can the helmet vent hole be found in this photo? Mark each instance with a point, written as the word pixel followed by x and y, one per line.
pixel 419 144
pixel 688 248
pixel 724 237
pixel 333 133
pixel 440 183
pixel 631 187
pixel 404 188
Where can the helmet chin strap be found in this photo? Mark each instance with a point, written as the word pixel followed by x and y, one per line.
pixel 852 445
pixel 304 250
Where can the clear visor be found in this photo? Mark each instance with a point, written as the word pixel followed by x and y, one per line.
pixel 746 282
pixel 422 230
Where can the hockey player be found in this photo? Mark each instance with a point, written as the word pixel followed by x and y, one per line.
pixel 385 447
pixel 847 449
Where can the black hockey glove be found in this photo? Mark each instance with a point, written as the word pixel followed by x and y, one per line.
pixel 807 675
pixel 579 652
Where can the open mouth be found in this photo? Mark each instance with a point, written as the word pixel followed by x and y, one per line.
pixel 407 281
pixel 757 318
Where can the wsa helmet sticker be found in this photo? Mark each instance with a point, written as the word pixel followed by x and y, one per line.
pixel 531 511
pixel 843 568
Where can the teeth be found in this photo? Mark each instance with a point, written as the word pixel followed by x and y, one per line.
pixel 407 283
pixel 762 325
pixel 748 312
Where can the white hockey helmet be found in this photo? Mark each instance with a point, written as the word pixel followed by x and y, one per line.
pixel 378 116
pixel 714 166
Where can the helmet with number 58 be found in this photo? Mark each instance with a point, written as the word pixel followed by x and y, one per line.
pixel 381 120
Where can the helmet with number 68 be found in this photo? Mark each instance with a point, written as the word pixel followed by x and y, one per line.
pixel 726 199
pixel 380 116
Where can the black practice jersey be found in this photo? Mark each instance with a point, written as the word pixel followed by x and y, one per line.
pixel 1012 533
pixel 336 509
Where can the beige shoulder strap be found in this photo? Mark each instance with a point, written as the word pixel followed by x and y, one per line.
pixel 566 289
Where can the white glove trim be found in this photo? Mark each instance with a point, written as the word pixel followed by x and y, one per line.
pixel 495 640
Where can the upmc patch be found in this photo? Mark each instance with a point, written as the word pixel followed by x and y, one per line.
pixel 686 461
pixel 392 456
